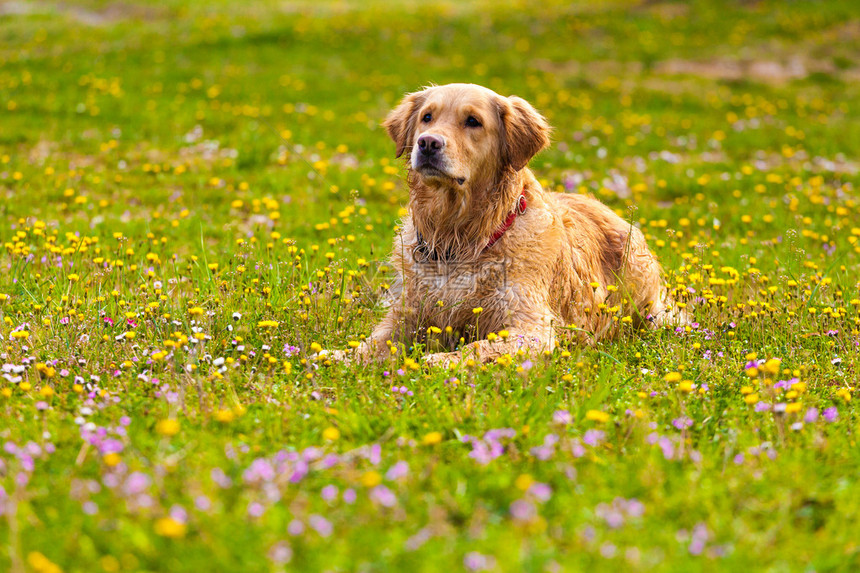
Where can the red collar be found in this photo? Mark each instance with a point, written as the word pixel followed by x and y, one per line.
pixel 518 210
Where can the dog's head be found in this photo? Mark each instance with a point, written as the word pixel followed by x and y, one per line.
pixel 463 136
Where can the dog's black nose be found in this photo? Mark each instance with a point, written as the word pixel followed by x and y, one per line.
pixel 429 144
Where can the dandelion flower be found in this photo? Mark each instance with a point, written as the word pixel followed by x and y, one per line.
pixel 371 479
pixel 597 416
pixel 167 427
pixel 523 482
pixel 169 527
pixel 225 415
pixel 331 434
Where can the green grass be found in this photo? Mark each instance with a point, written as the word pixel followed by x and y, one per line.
pixel 196 168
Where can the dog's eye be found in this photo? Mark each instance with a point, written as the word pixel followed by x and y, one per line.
pixel 427 117
pixel 472 122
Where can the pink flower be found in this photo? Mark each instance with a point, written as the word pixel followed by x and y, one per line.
pixel 295 527
pixel 321 525
pixel 329 493
pixel 256 509
pixel 397 471
pixel 523 510
pixel 280 553
pixel 562 417
pixel 383 496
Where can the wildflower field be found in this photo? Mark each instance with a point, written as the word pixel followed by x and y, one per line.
pixel 196 198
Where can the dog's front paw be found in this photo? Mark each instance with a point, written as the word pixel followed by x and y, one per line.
pixel 363 354
pixel 345 356
pixel 443 359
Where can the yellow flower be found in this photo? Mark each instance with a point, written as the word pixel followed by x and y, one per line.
pixel 225 416
pixel 371 479
pixel 751 398
pixel 20 334
pixel 42 564
pixel 477 310
pixel 196 311
pixel 111 459
pixel 169 527
pixel 793 408
pixel 331 434
pixel 431 438
pixel 74 278
pixel 167 427
pixel 597 416
pixel 523 482
pixel 771 366
pixel 686 386
pixel 267 324
pixel 672 377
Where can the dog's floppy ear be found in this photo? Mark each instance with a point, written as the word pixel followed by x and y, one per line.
pixel 400 123
pixel 524 132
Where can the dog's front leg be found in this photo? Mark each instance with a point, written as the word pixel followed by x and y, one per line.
pixel 375 347
pixel 529 340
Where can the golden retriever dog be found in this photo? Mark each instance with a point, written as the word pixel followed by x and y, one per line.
pixel 487 260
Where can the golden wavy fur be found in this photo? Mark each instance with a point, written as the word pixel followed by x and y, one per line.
pixel 561 263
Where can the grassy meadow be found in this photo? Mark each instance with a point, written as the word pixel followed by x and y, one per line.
pixel 196 197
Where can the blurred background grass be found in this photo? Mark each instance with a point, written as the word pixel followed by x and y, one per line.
pixel 76 76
